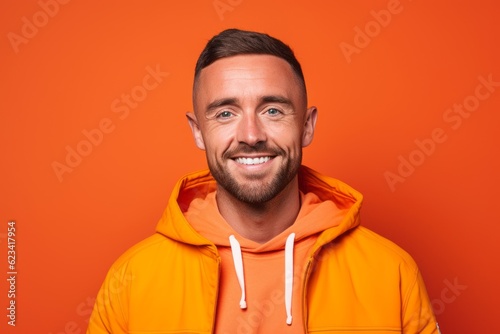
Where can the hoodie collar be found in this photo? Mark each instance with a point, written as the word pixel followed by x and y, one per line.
pixel 329 208
pixel 197 186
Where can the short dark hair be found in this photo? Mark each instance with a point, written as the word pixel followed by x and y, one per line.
pixel 233 42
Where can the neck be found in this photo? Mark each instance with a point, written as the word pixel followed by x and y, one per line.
pixel 261 222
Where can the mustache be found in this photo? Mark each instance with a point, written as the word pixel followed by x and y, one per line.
pixel 259 148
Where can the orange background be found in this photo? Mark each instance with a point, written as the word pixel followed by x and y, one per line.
pixel 67 72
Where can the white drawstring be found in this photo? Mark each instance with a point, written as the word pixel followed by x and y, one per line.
pixel 289 277
pixel 238 266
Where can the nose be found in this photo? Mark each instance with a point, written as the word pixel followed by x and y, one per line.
pixel 250 130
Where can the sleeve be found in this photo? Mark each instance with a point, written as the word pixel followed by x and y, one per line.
pixel 109 312
pixel 418 316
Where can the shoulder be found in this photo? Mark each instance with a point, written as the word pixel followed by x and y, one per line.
pixel 383 245
pixel 158 253
pixel 140 249
pixel 363 246
pixel 147 252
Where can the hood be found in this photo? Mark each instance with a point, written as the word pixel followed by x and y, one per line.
pixel 326 191
pixel 328 209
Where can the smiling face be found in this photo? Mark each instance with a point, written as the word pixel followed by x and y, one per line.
pixel 251 119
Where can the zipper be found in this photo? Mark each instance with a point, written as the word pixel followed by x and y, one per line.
pixel 216 294
pixel 304 292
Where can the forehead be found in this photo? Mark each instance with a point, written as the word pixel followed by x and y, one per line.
pixel 248 75
pixel 252 63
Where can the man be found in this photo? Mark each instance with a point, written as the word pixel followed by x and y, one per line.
pixel 259 243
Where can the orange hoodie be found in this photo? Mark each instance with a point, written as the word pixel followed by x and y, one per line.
pixel 262 268
pixel 323 274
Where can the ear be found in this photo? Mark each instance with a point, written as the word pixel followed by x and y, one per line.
pixel 195 128
pixel 309 126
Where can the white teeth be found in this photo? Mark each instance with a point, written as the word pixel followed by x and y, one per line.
pixel 252 161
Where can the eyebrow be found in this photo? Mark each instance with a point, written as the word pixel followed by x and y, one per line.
pixel 233 101
pixel 277 99
pixel 221 102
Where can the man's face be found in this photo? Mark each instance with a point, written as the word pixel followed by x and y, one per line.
pixel 251 119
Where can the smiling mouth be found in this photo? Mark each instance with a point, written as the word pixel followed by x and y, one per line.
pixel 252 161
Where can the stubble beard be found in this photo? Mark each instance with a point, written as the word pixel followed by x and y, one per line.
pixel 254 190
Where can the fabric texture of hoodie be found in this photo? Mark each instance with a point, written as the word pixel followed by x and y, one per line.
pixel 325 273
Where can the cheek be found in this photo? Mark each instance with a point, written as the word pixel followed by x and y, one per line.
pixel 217 140
pixel 287 137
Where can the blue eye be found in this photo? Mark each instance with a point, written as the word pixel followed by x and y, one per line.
pixel 225 114
pixel 273 111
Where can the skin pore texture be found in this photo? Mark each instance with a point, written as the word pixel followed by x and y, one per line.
pixel 251 118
